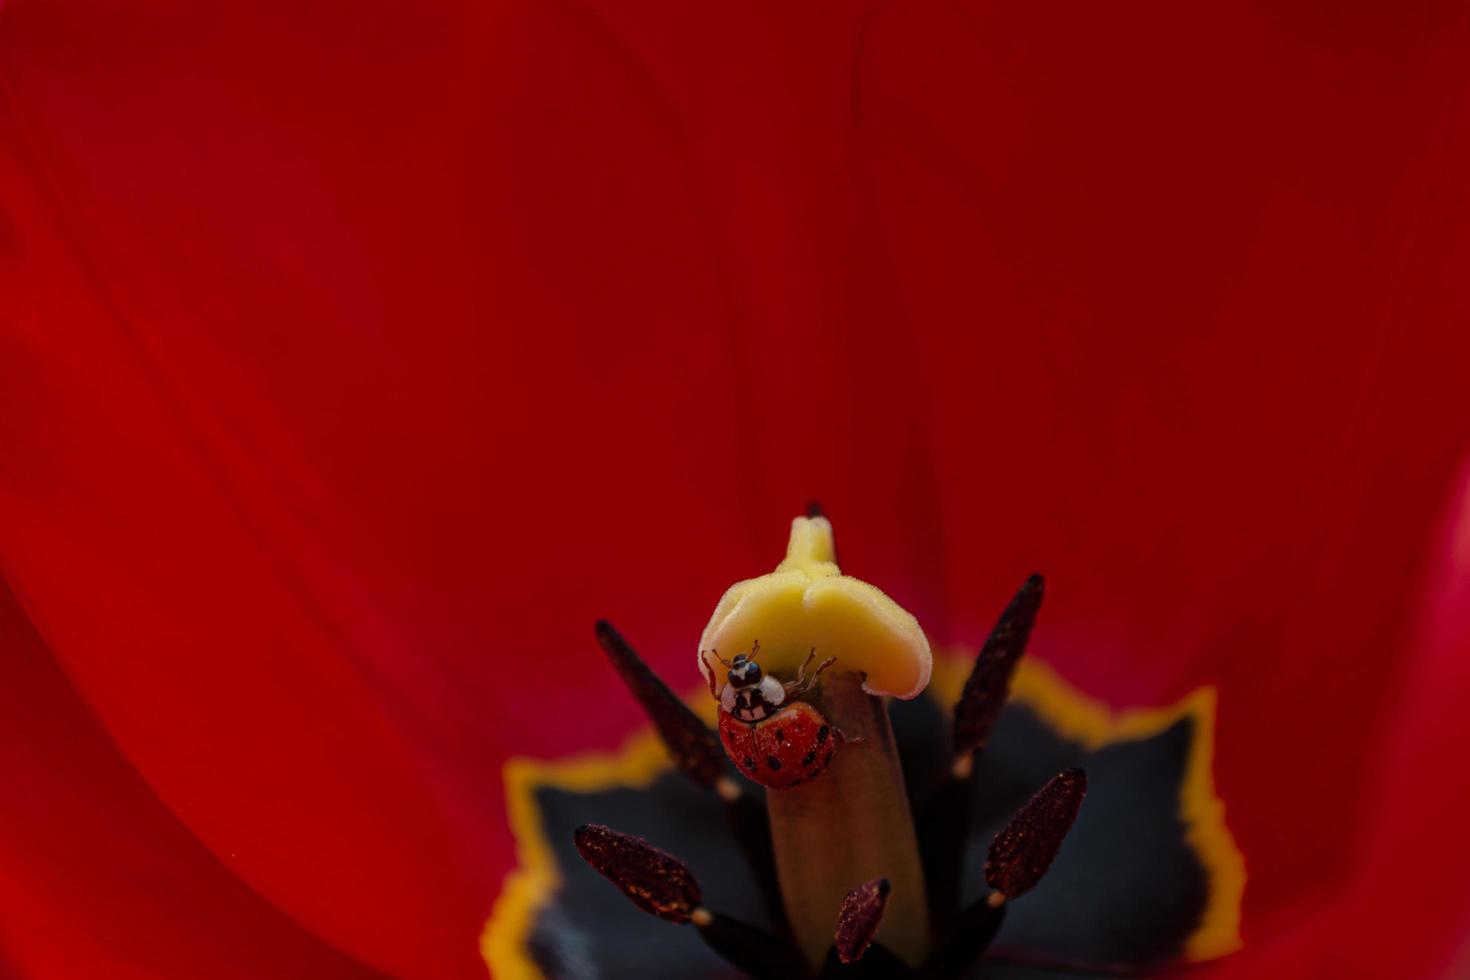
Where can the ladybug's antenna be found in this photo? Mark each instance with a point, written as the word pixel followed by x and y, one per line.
pixel 719 658
pixel 755 650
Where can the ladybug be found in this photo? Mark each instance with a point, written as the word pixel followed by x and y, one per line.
pixel 772 738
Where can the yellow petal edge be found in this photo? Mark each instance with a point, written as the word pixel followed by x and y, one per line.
pixel 808 603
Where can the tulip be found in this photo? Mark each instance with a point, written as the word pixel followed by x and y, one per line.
pixel 355 361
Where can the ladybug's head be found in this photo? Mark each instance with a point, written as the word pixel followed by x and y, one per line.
pixel 744 672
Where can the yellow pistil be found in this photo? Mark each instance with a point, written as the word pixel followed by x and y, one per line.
pixel 850 824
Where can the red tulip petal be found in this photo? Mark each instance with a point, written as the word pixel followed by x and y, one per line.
pixel 1414 871
pixel 179 595
pixel 1405 909
pixel 97 877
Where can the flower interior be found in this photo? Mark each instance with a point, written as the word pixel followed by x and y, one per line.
pixel 858 877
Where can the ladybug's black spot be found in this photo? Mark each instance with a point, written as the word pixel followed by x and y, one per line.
pixel 749 762
pixel 780 735
pixel 827 758
pixel 822 734
pixel 773 762
pixel 809 758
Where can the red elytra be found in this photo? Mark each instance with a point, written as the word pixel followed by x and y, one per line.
pixel 790 747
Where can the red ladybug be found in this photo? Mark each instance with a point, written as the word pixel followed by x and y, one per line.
pixel 773 739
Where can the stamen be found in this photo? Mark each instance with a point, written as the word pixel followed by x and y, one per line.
pixel 878 963
pixel 656 882
pixel 858 920
pixel 1021 853
pixel 753 951
pixel 944 822
pixel 1019 856
pixel 662 885
pixel 695 749
pixel 989 683
pixel 944 825
pixel 968 937
pixel 854 955
pixel 698 754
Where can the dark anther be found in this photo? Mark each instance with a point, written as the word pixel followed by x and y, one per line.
pixel 656 882
pixel 660 883
pixel 990 681
pixel 1024 849
pixel 858 919
pixel 945 819
pixel 695 749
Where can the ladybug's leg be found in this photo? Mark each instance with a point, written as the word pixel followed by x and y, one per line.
pixel 793 688
pixel 802 684
pixel 713 691
pixel 801 672
pixel 821 667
